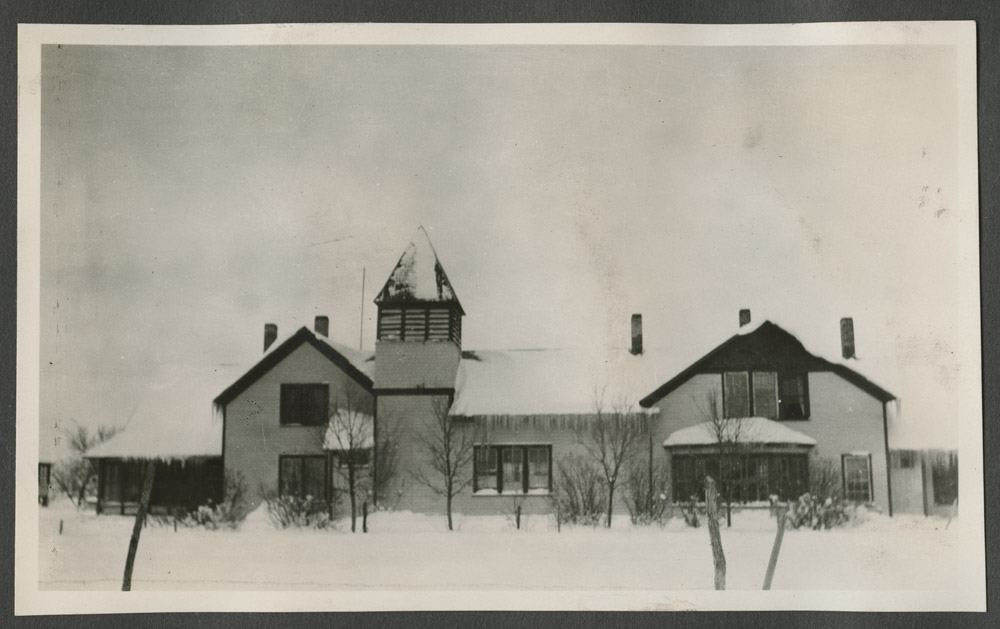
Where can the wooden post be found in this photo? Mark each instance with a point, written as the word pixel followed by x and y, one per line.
pixel 61 524
pixel 517 516
pixel 364 517
pixel 782 510
pixel 140 517
pixel 954 508
pixel 718 557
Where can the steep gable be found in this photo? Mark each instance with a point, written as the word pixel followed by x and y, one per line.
pixel 418 277
pixel 355 366
pixel 765 347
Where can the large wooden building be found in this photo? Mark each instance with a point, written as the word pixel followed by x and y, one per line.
pixel 524 410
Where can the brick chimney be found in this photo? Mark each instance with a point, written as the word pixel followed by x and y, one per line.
pixel 744 317
pixel 847 337
pixel 636 334
pixel 270 334
pixel 322 325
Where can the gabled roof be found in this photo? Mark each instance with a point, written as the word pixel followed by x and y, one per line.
pixel 356 364
pixel 755 430
pixel 418 277
pixel 755 346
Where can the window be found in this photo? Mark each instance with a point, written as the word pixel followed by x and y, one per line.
pixel 538 469
pixel 486 468
pixel 513 469
pixel 944 473
pixel 770 394
pixel 857 477
pixel 749 478
pixel 904 459
pixel 306 404
pixel 736 394
pixel 302 475
pixel 362 457
pixel 793 396
pixel 765 394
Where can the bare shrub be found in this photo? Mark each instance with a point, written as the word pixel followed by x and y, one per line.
pixel 610 439
pixel 294 512
pixel 580 491
pixel 229 513
pixel 646 501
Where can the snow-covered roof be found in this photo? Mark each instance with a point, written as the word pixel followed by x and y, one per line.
pixel 552 381
pixel 356 363
pixel 756 430
pixel 418 276
pixel 363 361
pixel 919 372
pixel 349 429
pixel 175 418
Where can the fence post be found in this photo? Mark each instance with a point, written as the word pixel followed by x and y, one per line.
pixel 140 518
pixel 364 517
pixel 782 510
pixel 518 517
pixel 712 509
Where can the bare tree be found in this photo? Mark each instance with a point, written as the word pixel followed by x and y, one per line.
pixel 450 446
pixel 610 438
pixel 350 434
pixel 732 443
pixel 385 458
pixel 75 475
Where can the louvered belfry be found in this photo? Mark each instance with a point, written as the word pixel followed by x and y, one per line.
pixel 418 303
pixel 419 335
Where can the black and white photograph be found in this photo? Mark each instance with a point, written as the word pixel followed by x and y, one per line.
pixel 389 317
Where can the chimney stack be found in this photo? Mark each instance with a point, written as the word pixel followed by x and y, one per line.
pixel 636 334
pixel 744 317
pixel 322 325
pixel 847 337
pixel 270 334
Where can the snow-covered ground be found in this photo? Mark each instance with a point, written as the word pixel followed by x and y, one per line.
pixel 411 551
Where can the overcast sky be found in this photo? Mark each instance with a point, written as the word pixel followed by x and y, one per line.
pixel 189 195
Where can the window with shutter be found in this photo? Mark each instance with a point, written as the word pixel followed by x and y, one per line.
pixel 736 394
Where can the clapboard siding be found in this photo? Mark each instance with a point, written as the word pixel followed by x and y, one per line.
pixel 254 437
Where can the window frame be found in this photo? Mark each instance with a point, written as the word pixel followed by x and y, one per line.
pixel 777 472
pixel 525 472
pixel 301 458
pixel 287 388
pixel 867 457
pixel 806 411
pixel 779 377
pixel 340 457
pixel 726 395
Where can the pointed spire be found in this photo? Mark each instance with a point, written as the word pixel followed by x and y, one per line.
pixel 418 276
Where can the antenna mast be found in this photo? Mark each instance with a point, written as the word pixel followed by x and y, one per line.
pixel 361 340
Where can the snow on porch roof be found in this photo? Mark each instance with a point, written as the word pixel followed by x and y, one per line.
pixel 347 427
pixel 175 419
pixel 758 430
